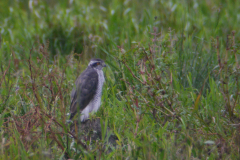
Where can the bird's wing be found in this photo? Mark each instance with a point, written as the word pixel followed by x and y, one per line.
pixel 86 86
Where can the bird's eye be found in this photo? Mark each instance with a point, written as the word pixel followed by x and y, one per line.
pixel 98 63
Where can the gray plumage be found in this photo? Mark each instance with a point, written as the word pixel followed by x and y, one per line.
pixel 86 95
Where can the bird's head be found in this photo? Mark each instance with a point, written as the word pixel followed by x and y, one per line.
pixel 97 63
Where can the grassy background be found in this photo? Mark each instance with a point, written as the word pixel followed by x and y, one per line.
pixel 172 81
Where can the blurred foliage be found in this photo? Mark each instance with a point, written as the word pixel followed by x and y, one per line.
pixel 172 85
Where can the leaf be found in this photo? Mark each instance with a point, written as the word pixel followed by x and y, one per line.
pixel 196 103
pixel 118 136
pixel 103 128
pixel 195 109
pixel 209 142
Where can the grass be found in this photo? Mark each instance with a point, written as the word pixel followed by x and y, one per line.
pixel 172 81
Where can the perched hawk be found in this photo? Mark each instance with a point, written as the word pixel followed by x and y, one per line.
pixel 86 95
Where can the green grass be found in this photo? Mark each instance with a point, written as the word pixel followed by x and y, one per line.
pixel 172 81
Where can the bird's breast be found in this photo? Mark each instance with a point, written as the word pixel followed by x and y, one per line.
pixel 97 97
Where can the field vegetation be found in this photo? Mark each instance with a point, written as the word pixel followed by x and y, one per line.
pixel 172 87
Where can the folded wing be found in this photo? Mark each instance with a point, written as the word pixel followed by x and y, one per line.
pixel 84 91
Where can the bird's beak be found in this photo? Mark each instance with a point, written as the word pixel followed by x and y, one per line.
pixel 104 65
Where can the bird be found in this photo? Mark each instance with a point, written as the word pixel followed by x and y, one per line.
pixel 86 95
